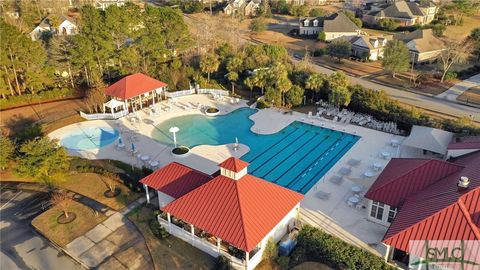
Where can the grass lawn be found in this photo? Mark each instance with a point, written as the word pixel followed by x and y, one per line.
pixel 462 31
pixel 170 253
pixel 92 186
pixel 62 234
pixel 48 127
pixel 472 95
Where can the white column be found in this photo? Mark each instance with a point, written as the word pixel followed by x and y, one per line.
pixel 169 222
pixel 126 105
pixel 146 192
pixel 387 253
pixel 247 258
pixel 159 202
pixel 141 105
pixel 192 231
pixel 154 92
pixel 219 241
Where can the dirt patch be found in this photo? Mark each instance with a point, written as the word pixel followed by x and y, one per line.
pixel 62 234
pixel 170 253
pixel 472 95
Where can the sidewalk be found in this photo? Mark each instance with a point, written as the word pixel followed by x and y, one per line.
pixel 113 244
pixel 458 89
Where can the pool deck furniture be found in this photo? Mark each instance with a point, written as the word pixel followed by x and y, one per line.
pixel 385 154
pixel 345 171
pixel 377 166
pixel 369 174
pixel 356 189
pixel 354 162
pixel 336 179
pixel 322 195
pixel 353 200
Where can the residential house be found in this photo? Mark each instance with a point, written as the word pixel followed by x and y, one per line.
pixel 230 213
pixel 426 199
pixel 334 26
pixel 424 47
pixel 56 25
pixel 404 13
pixel 370 47
pixel 247 8
pixel 104 4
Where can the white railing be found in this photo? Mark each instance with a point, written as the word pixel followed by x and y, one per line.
pixel 103 116
pixel 179 93
pixel 214 91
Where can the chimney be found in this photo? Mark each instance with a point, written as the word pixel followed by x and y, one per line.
pixel 463 183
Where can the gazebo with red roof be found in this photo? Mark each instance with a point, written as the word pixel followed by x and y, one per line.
pixel 136 89
pixel 233 214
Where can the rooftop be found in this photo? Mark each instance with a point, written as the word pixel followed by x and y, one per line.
pixel 133 85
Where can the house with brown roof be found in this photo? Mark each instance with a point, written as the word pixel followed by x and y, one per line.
pixel 233 214
pixel 424 47
pixel 334 26
pixel 426 200
pixel 403 12
pixel 369 47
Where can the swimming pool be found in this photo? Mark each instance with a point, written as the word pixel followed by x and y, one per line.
pixel 295 157
pixel 89 138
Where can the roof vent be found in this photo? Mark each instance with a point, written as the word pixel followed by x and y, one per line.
pixel 463 183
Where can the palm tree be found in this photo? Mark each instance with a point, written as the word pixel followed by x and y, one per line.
pixel 208 64
pixel 315 83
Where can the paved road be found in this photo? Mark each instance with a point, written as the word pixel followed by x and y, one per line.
pixel 21 246
pixel 458 89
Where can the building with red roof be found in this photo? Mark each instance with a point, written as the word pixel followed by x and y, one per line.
pixel 463 145
pixel 427 199
pixel 136 90
pixel 233 214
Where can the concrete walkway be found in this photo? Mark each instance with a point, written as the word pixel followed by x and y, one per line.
pixel 458 89
pixel 113 244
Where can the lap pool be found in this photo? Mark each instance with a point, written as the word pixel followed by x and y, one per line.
pixel 295 157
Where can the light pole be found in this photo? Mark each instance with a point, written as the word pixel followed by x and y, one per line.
pixel 174 130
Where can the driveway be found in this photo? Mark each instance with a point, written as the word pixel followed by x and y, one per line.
pixel 458 89
pixel 21 246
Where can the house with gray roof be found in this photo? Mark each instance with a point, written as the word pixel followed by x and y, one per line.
pixel 402 12
pixel 369 47
pixel 334 26
pixel 56 25
pixel 423 45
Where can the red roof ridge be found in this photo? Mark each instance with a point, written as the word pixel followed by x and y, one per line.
pixel 467 215
pixel 411 170
pixel 240 209
pixel 234 164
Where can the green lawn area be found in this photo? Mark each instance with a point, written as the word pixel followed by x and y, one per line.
pixel 92 186
pixel 472 95
pixel 170 253
pixel 62 234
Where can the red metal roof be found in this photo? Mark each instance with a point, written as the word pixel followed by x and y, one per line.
pixel 403 177
pixel 233 164
pixel 133 85
pixel 465 143
pixel 176 179
pixel 241 212
pixel 440 211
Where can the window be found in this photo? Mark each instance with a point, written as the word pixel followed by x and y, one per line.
pixel 315 23
pixel 377 210
pixel 305 23
pixel 391 214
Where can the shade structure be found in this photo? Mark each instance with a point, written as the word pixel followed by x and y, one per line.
pixel 113 104
pixel 133 85
pixel 431 139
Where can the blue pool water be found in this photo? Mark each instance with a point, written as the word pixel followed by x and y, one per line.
pixel 295 157
pixel 89 138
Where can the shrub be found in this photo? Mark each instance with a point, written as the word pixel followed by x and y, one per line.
pixel 271 250
pixel 222 263
pixel 157 229
pixel 262 104
pixel 283 262
pixel 322 36
pixel 320 246
pixel 451 75
pixel 319 52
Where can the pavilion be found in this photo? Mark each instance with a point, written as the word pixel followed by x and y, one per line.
pixel 134 91
pixel 231 213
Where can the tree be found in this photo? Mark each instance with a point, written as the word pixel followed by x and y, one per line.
pixel 62 201
pixel 339 96
pixel 208 64
pixel 295 95
pixel 339 49
pixel 298 10
pixel 271 250
pixel 387 24
pixel 257 25
pixel 322 36
pixel 43 160
pixel 396 57
pixel 111 180
pixel 316 12
pixel 455 52
pixel 315 83
pixel 95 96
pixel 351 16
pixel 6 151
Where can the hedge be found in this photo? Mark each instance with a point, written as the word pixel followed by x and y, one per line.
pixel 314 244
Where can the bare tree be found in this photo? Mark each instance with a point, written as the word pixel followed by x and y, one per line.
pixel 111 181
pixel 456 52
pixel 63 201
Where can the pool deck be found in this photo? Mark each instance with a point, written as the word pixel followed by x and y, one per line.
pixel 331 214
